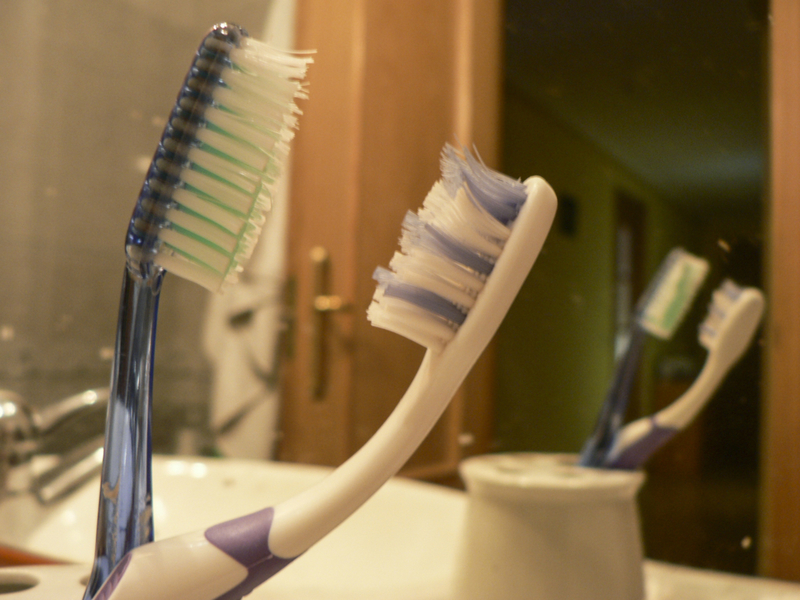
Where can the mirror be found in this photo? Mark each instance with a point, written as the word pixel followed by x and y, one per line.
pixel 647 119
pixel 650 123
pixel 85 104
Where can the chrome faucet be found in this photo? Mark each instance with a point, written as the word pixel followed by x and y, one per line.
pixel 52 451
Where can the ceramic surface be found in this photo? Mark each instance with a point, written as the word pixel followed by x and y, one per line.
pixel 401 545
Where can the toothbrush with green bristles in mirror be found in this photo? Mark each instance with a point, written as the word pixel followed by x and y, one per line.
pixel 727 331
pixel 658 312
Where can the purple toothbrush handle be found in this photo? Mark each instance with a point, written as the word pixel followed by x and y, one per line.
pixel 245 539
pixel 635 455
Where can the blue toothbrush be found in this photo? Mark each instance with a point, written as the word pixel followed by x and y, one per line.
pixel 198 215
pixel 658 312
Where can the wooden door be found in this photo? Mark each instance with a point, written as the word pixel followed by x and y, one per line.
pixel 393 80
pixel 779 543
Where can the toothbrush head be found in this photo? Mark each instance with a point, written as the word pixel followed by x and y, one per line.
pixel 733 317
pixel 671 292
pixel 203 200
pixel 448 250
pixel 463 257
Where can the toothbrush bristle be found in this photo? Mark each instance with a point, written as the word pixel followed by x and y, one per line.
pixel 213 175
pixel 722 300
pixel 671 292
pixel 448 249
pixel 499 194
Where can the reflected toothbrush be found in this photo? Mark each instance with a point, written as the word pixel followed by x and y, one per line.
pixel 198 215
pixel 463 258
pixel 658 312
pixel 733 317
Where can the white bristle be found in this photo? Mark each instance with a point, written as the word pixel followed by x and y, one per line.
pixel 245 155
pixel 461 217
pixel 248 182
pixel 461 278
pixel 204 228
pixel 260 137
pixel 409 321
pixel 189 269
pixel 187 245
pixel 671 292
pixel 250 110
pixel 218 191
pixel 423 273
pixel 231 171
pixel 722 300
pixel 213 212
pixel 447 250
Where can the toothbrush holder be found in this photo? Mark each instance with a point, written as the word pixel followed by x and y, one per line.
pixel 539 526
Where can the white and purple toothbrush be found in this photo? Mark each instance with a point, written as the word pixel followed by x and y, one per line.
pixel 733 318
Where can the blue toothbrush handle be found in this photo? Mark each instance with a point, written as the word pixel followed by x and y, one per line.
pixel 609 422
pixel 125 516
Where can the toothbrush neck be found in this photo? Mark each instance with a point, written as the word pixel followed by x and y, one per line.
pixel 125 510
pixel 304 519
pixel 681 412
pixel 139 262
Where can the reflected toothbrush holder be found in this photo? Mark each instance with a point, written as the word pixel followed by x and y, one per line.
pixel 539 526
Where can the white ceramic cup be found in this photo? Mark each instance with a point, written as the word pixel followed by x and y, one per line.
pixel 538 527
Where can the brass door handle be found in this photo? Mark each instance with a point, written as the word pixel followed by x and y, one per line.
pixel 323 304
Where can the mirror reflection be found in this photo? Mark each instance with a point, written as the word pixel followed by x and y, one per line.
pixel 648 119
pixel 650 123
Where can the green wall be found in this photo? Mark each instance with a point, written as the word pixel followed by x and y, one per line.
pixel 555 349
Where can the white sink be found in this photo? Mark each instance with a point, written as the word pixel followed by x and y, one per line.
pixel 401 545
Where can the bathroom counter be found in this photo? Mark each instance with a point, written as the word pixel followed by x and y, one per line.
pixel 663 581
pixel 369 557
pixel 672 582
